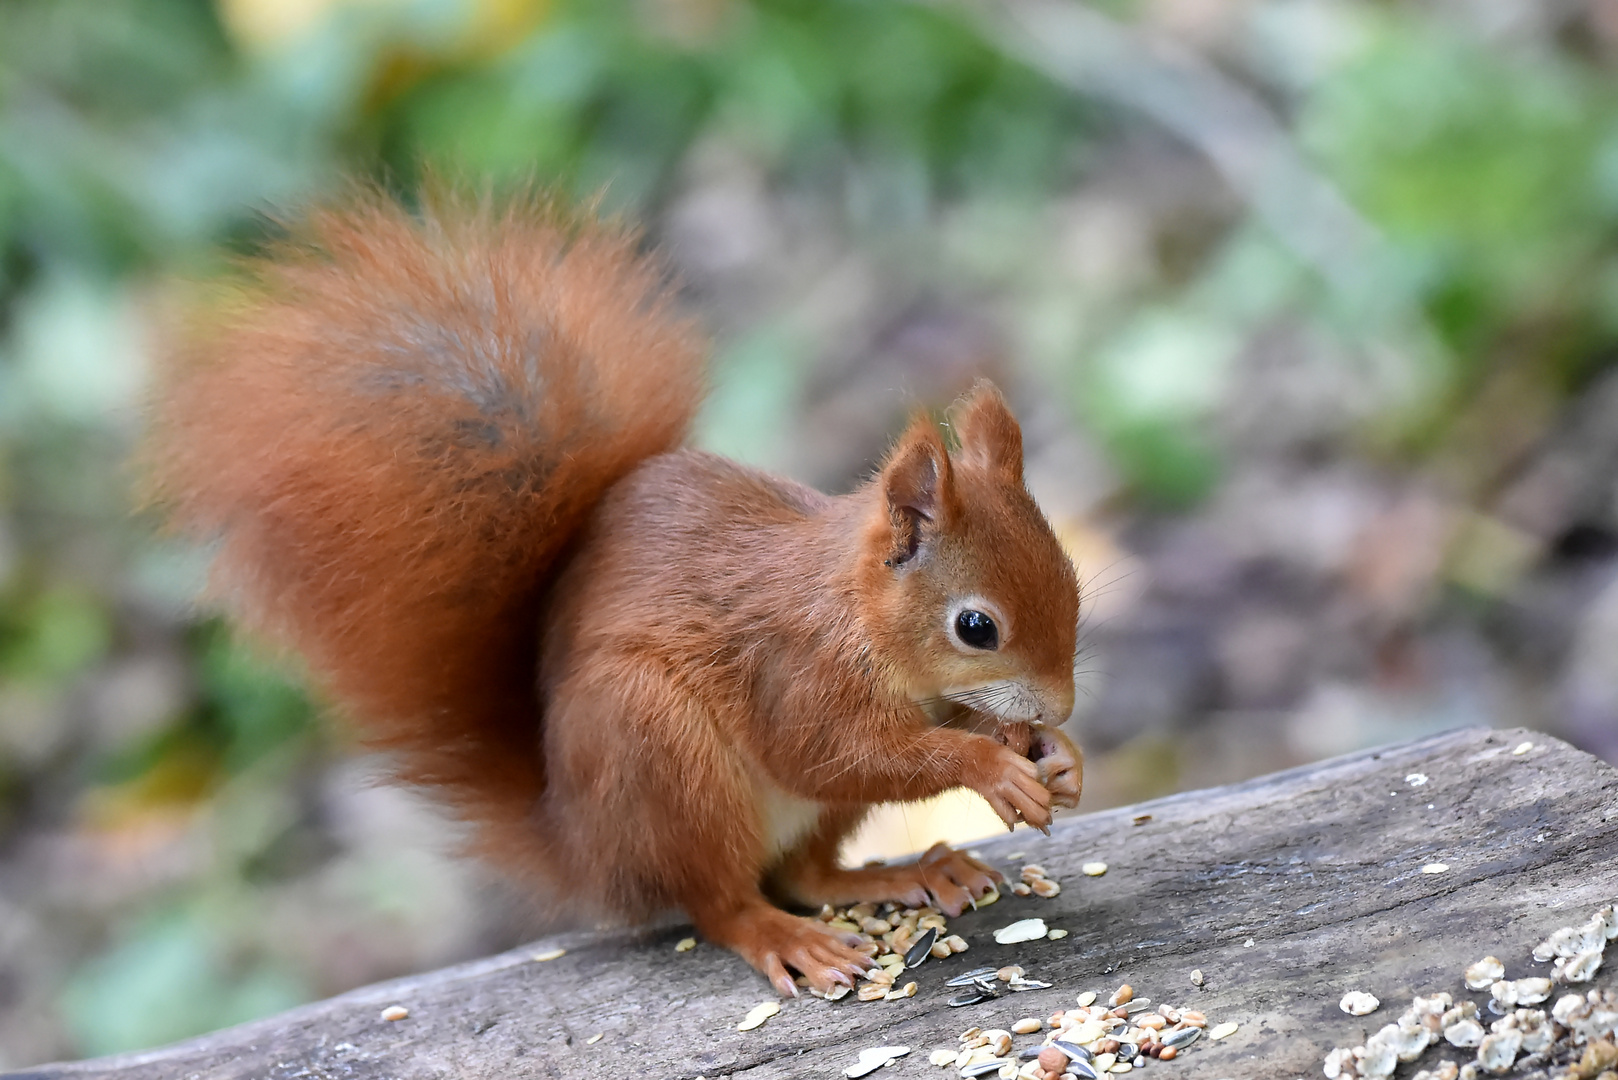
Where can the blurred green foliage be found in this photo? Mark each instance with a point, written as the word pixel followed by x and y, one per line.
pixel 140 138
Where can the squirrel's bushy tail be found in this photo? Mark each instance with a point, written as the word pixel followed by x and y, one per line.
pixel 393 432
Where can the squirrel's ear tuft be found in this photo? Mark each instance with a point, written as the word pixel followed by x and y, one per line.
pixel 916 481
pixel 990 436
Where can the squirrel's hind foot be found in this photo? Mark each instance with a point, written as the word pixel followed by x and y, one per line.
pixel 778 944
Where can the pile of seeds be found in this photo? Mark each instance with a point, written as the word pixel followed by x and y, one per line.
pixel 1579 1033
pixel 896 938
pixel 1086 1041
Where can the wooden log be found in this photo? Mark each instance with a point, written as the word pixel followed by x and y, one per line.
pixel 1286 892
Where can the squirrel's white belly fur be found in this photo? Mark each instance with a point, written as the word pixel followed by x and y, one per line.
pixel 785 819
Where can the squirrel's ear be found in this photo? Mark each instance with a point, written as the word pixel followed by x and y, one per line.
pixel 916 481
pixel 990 436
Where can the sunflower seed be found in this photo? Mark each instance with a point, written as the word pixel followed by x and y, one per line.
pixel 970 977
pixel 1358 1003
pixel 1018 985
pixel 758 1014
pixel 1182 1037
pixel 1074 1051
pixel 1138 1005
pixel 984 1068
pixel 1021 930
pixel 971 997
pixel 922 949
pixel 874 1058
pixel 1482 975
pixel 1083 1069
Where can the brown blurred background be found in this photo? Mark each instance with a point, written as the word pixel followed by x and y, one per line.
pixel 1309 307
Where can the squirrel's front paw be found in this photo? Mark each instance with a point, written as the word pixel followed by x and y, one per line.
pixel 1009 783
pixel 1061 766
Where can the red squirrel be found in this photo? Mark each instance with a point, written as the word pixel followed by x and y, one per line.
pixel 440 456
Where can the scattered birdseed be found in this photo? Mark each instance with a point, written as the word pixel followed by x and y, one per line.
pixel 905 991
pixel 1087 999
pixel 395 1012
pixel 1055 935
pixel 1222 1031
pixel 1435 868
pixel 873 1058
pixel 1093 869
pixel 942 1057
pixel 686 944
pixel 1121 995
pixel 1196 977
pixel 1358 1003
pixel 597 1037
pixel 1027 1025
pixel 1248 944
pixel 552 954
pixel 1416 779
pixel 1140 819
pixel 758 1014
pixel 1577 1024
pixel 1522 748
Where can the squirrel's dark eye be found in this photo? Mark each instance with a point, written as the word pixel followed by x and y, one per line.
pixel 977 630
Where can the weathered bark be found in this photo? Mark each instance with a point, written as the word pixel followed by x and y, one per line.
pixel 1286 891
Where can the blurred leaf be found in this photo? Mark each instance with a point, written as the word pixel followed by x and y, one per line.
pixel 756 385
pixel 52 635
pixel 166 980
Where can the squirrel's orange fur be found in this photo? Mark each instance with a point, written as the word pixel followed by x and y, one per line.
pixel 439 455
